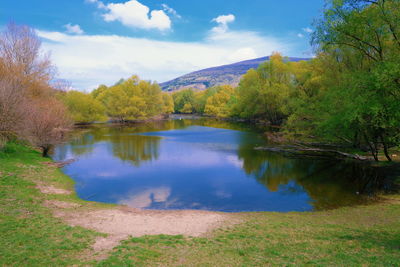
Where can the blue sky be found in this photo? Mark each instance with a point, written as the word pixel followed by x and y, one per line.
pixel 97 42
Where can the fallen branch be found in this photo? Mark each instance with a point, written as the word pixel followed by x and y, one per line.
pixel 313 152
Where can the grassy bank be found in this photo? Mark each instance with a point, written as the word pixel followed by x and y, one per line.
pixel 31 236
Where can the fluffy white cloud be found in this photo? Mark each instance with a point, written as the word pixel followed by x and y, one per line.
pixel 222 21
pixel 136 15
pixel 300 35
pixel 243 54
pixel 89 60
pixel 73 29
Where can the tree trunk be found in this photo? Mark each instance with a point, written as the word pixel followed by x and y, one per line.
pixel 45 151
pixel 372 148
pixel 385 149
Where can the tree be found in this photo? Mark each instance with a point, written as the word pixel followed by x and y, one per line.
pixel 28 101
pixel 168 103
pixel 220 104
pixel 363 37
pixel 182 98
pixel 187 109
pixel 201 97
pixel 20 47
pixel 96 92
pixel 264 93
pixel 132 99
pixel 82 107
pixel 47 124
pixel 13 103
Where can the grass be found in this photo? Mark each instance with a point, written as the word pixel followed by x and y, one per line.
pixel 363 236
pixel 30 236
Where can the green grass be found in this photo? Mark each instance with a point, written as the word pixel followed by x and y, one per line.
pixel 30 236
pixel 362 236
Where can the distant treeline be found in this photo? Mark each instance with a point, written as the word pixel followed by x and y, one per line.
pixel 128 100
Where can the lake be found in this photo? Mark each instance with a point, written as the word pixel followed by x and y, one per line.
pixel 209 165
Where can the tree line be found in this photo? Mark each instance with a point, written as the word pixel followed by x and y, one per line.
pixel 128 100
pixel 349 94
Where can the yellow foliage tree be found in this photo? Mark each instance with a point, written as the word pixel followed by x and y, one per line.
pixel 83 108
pixel 168 103
pixel 220 103
pixel 132 99
pixel 187 108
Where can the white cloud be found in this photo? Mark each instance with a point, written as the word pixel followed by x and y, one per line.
pixel 135 15
pixel 89 60
pixel 222 21
pixel 73 29
pixel 99 4
pixel 242 54
pixel 146 198
pixel 171 11
pixel 306 31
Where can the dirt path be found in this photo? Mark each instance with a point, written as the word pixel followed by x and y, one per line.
pixel 121 222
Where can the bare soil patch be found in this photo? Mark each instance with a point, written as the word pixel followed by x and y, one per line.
pixel 49 189
pixel 122 222
pixel 60 204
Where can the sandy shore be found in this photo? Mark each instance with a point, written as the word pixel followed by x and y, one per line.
pixel 121 222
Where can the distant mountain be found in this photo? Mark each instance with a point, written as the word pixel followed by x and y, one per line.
pixel 226 74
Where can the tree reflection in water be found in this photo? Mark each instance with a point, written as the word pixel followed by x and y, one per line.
pixel 327 183
pixel 330 183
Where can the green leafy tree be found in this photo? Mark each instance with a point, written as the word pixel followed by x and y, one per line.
pixel 358 98
pixel 132 99
pixel 83 108
pixel 182 98
pixel 264 93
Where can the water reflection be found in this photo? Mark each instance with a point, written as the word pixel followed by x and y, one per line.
pixel 207 164
pixel 146 198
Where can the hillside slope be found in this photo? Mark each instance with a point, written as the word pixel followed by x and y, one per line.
pixel 226 74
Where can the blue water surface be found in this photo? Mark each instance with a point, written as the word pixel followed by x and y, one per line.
pixel 199 164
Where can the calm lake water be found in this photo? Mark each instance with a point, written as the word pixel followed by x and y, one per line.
pixel 209 165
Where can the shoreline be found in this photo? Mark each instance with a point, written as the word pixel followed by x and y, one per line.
pixel 278 143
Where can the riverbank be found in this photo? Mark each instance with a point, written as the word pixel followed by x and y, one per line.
pixel 41 226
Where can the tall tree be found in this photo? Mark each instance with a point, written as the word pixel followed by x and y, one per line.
pixel 359 98
pixel 263 93
pixel 27 96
